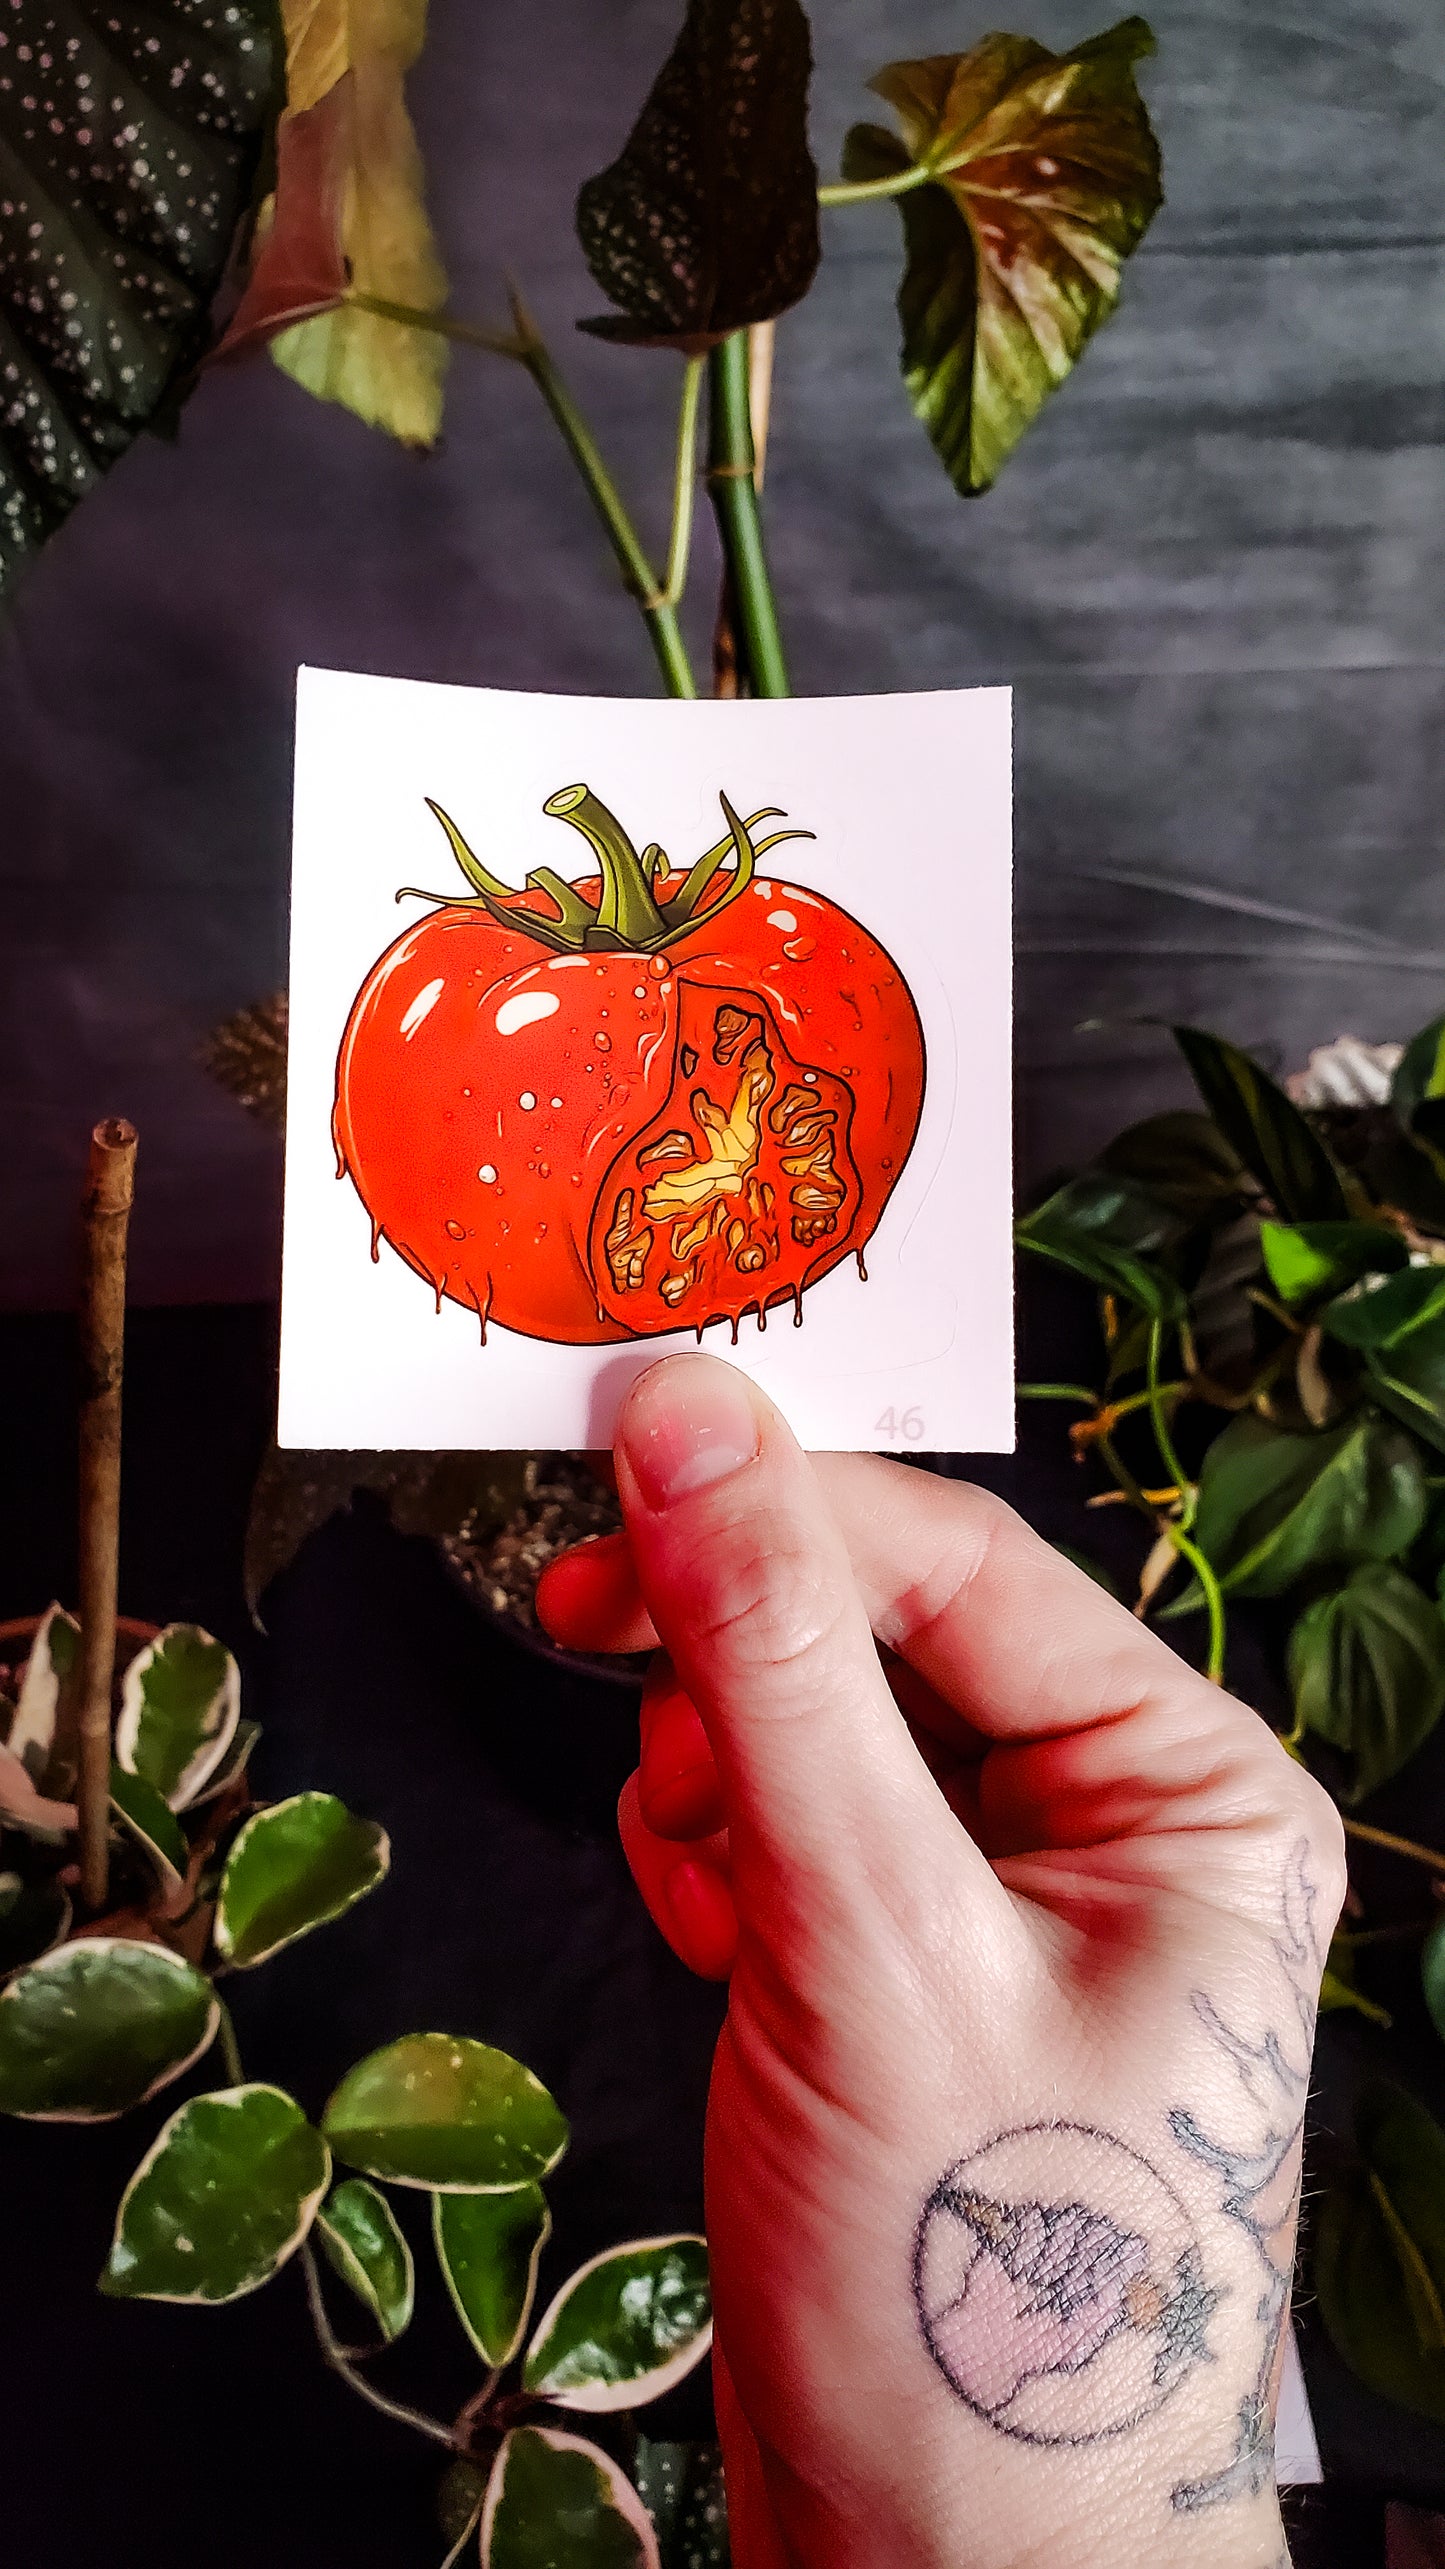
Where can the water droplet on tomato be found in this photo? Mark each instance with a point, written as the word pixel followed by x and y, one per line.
pixel 487 1173
pixel 527 1100
pixel 603 1042
pixel 641 991
pixel 455 1231
pixel 542 1169
pixel 798 949
pixel 657 966
pixel 555 1101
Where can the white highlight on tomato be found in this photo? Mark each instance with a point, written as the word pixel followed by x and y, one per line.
pixel 527 1100
pixel 556 1101
pixel 783 919
pixel 524 1009
pixel 421 1007
pixel 487 1173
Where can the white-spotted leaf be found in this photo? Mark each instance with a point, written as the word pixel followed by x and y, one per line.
pixel 625 2327
pixel 487 2247
pixel 442 2111
pixel 294 1865
pixel 223 2197
pixel 556 2502
pixel 179 1705
pixel 363 2242
pixel 97 2026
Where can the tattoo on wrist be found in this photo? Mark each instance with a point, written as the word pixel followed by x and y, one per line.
pixel 1067 2315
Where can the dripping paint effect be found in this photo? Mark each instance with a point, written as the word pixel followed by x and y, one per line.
pixel 762 1317
pixel 797 1306
pixel 438 1285
pixel 482 1308
pixel 862 1270
pixel 702 1324
pixel 735 1319
pixel 375 1239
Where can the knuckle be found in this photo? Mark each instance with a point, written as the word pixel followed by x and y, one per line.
pixel 761 1606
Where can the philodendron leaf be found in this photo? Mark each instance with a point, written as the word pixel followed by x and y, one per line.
pixel 46 1695
pixel 487 2247
pixel 1266 1128
pixel 1379 2260
pixel 388 372
pixel 557 2502
pixel 1113 1233
pixel 1046 177
pixel 129 143
pixel 1420 1071
pixel 1399 1328
pixel 34 1916
pixel 180 1701
pixel 97 2026
pixel 625 2327
pixel 443 2111
pixel 708 219
pixel 363 2241
pixel 1273 1503
pixel 1367 1665
pixel 147 1817
pixel 1306 1259
pixel 293 1866
pixel 223 2197
pixel 682 2488
pixel 1183 1161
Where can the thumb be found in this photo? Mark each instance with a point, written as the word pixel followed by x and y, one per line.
pixel 747 1580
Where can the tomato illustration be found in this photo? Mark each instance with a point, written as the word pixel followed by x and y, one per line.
pixel 642 1101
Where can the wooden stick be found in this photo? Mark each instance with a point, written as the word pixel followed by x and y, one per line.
pixel 109 1183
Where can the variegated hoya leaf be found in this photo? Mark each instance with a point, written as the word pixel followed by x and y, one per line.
pixel 625 2327
pixel 224 2196
pixel 179 1705
pixel 444 2112
pixel 1045 178
pixel 488 2247
pixel 555 2501
pixel 295 1865
pixel 147 1817
pixel 22 1807
pixel 46 1689
pixel 96 2026
pixel 364 2243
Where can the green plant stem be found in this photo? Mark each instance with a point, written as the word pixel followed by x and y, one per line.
pixel 731 474
pixel 230 2048
pixel 1058 1391
pixel 1201 1566
pixel 1173 1468
pixel 340 2362
pixel 1410 1847
pixel 684 481
pixel 858 191
pixel 527 348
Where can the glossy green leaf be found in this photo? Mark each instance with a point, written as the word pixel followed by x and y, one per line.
pixel 1399 1326
pixel 443 2111
pixel 682 2488
pixel 225 2194
pixel 363 2241
pixel 557 2502
pixel 34 1916
pixel 1265 1128
pixel 1379 2259
pixel 1420 1071
pixel 488 2246
pixel 1047 177
pixel 180 1701
pixel 708 219
pixel 1182 1160
pixel 148 1818
pixel 625 2327
pixel 1432 1975
pixel 1307 1259
pixel 1274 1503
pixel 1367 1665
pixel 294 1866
pixel 129 143
pixel 97 2026
pixel 46 1694
pixel 232 1766
pixel 1113 1234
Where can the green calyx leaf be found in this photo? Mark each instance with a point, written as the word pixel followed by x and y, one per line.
pixel 639 907
pixel 148 1818
pixel 224 2196
pixel 1306 1260
pixel 557 2502
pixel 294 1866
pixel 1045 177
pixel 488 2247
pixel 1113 1233
pixel 363 2242
pixel 1274 1503
pixel 708 219
pixel 42 1729
pixel 682 2488
pixel 1367 1665
pixel 1399 1328
pixel 120 238
pixel 1379 2259
pixel 442 2111
pixel 179 1706
pixel 626 2327
pixel 1266 1128
pixel 95 2027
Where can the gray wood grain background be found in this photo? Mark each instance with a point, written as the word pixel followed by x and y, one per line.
pixel 1213 573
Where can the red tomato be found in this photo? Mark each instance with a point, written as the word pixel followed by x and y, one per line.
pixel 639 1102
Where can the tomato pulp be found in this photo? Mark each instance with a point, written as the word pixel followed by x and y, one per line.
pixel 630 1104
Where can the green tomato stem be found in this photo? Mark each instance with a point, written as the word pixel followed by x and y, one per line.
pixel 732 482
pixel 860 191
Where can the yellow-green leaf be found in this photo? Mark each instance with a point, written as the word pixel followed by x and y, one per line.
pixel 390 374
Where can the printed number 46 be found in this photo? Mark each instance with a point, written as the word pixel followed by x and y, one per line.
pixel 900 1426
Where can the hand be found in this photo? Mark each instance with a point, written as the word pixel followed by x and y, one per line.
pixel 1003 2141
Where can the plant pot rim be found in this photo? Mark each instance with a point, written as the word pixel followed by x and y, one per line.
pixel 127 1628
